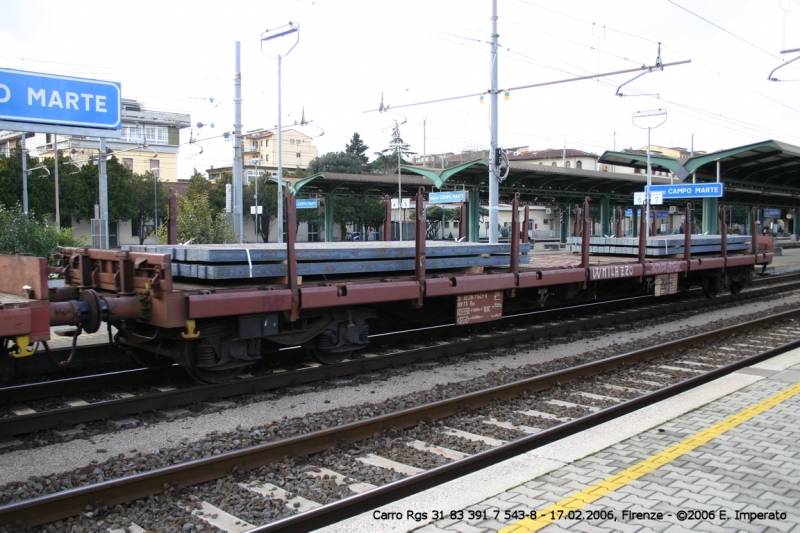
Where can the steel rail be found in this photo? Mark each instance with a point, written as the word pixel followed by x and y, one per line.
pixel 18 425
pixel 71 502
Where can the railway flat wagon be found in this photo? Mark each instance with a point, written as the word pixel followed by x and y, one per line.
pixel 215 309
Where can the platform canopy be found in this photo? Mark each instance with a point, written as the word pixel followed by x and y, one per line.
pixel 541 184
pixel 374 185
pixel 767 172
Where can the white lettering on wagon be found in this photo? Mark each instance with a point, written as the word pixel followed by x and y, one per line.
pixel 611 271
pixel 665 267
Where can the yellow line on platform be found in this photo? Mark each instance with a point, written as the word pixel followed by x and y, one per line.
pixel 593 493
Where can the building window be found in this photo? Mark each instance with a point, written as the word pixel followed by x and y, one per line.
pixel 155 168
pixel 131 134
pixel 554 164
pixel 250 175
pixel 579 164
pixel 297 154
pixel 266 157
pixel 156 134
pixel 566 164
pixel 128 162
pixel 291 141
pixel 637 170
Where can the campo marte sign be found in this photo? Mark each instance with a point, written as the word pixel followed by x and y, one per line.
pixel 59 100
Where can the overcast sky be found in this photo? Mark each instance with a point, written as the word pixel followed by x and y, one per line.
pixel 175 56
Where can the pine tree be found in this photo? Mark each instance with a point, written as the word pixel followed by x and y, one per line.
pixel 357 147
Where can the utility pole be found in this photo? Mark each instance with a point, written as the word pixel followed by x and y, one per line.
pixel 494 182
pixel 55 151
pixel 101 168
pixel 237 148
pixel 24 174
pixel 267 36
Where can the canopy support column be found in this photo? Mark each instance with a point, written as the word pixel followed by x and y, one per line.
pixel 605 215
pixel 329 218
pixel 474 218
pixel 710 208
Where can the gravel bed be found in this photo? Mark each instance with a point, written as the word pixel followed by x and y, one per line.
pixel 344 461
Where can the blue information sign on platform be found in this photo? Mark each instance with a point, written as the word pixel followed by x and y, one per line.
pixel 306 204
pixel 60 100
pixel 772 213
pixel 690 190
pixel 449 197
pixel 658 214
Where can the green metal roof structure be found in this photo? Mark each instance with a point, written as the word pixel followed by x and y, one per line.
pixel 767 172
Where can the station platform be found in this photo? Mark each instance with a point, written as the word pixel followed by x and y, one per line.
pixel 721 457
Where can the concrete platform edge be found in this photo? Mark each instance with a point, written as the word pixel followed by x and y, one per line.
pixel 474 488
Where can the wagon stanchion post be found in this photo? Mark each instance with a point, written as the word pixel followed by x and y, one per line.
pixel 387 220
pixel 291 256
pixel 525 223
pixel 687 237
pixel 585 238
pixel 172 228
pixel 514 237
pixel 419 238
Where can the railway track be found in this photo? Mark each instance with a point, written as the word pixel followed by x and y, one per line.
pixel 66 403
pixel 412 448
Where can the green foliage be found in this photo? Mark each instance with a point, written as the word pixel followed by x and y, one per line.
pixel 198 184
pixel 356 146
pixel 216 197
pixel 363 212
pixel 200 222
pixel 143 193
pixel 387 160
pixel 267 199
pixel 433 218
pixel 343 162
pixel 28 234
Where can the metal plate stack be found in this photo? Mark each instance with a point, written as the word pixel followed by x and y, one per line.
pixel 239 261
pixel 661 246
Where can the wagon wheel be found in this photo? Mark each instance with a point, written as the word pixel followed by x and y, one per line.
pixel 710 286
pixel 325 357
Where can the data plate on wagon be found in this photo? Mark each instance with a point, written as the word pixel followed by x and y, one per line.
pixel 666 284
pixel 481 307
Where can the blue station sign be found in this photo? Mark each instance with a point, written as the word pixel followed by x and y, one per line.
pixel 306 203
pixel 449 197
pixel 661 215
pixel 59 100
pixel 772 213
pixel 690 190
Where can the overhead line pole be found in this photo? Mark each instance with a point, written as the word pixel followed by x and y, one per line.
pixel 494 182
pixel 237 147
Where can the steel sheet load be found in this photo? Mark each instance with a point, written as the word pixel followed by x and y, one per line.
pixel 239 261
pixel 661 246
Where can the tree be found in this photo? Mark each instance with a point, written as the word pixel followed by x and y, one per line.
pixel 356 146
pixel 387 160
pixel 30 234
pixel 144 190
pixel 336 162
pixel 216 197
pixel 199 222
pixel 267 199
pixel 363 211
pixel 198 184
